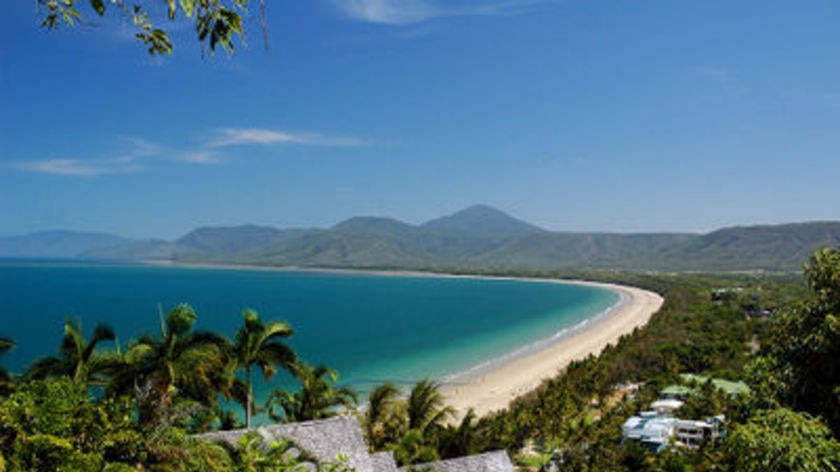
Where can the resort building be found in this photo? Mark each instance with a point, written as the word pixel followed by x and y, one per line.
pixel 659 428
pixel 666 406
pixel 692 434
pixel 342 436
pixel 657 431
pixel 649 428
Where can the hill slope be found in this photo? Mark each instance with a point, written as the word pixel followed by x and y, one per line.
pixel 479 237
pixel 58 244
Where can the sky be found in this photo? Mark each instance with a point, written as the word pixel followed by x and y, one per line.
pixel 575 115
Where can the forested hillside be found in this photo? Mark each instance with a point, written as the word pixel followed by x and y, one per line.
pixel 477 238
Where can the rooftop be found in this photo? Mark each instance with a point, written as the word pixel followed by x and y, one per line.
pixel 496 461
pixel 326 439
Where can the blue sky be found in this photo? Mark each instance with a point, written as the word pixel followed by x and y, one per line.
pixel 576 115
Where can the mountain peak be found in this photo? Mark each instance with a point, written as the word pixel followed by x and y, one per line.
pixel 482 220
pixel 373 224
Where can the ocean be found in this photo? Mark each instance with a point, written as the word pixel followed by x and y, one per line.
pixel 370 328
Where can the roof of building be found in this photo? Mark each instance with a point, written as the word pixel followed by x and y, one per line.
pixel 325 439
pixel 648 428
pixel 667 404
pixel 496 461
pixel 728 386
pixel 676 391
pixel 384 462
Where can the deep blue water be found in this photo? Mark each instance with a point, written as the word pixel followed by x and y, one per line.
pixel 370 328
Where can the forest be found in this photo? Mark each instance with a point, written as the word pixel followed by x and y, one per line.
pixel 92 406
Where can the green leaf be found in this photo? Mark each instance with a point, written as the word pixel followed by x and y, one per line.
pixel 98 6
pixel 188 6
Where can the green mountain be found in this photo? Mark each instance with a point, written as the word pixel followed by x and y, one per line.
pixel 481 221
pixel 579 250
pixel 775 248
pixel 151 249
pixel 479 237
pixel 235 239
pixel 58 244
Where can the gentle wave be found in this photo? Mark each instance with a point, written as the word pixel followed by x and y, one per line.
pixel 465 376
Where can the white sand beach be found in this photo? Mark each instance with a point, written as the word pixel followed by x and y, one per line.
pixel 493 390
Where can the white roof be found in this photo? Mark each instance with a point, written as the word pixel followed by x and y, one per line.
pixel 667 404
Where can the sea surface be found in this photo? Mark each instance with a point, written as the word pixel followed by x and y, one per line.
pixel 370 328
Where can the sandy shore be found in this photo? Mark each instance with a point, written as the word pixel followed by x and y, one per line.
pixel 492 390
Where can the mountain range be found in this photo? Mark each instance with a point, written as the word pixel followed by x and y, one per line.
pixel 479 237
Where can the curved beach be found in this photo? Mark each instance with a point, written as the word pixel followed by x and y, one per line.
pixel 492 390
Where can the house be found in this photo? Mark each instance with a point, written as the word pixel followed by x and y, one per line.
pixel 666 406
pixel 692 433
pixel 496 461
pixel 729 387
pixel 657 431
pixel 342 435
pixel 324 439
pixel 651 429
pixel 658 428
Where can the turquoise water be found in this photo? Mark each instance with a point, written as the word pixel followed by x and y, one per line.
pixel 370 328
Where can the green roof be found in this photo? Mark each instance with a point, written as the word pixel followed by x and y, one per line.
pixel 728 386
pixel 677 390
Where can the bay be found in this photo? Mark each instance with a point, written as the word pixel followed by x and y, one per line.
pixel 371 328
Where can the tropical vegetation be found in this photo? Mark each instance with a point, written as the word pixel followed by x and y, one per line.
pixel 92 408
pixel 216 22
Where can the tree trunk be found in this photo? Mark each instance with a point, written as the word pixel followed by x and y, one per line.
pixel 249 401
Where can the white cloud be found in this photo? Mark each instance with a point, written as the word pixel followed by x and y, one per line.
pixel 199 157
pixel 234 137
pixel 727 80
pixel 714 73
pixel 142 147
pixel 152 155
pixel 77 167
pixel 401 12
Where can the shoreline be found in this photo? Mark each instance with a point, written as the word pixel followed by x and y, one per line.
pixel 493 384
pixel 493 387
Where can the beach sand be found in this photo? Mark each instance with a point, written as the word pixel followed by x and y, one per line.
pixel 492 390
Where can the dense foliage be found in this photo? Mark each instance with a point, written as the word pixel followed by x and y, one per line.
pixel 217 22
pixel 89 409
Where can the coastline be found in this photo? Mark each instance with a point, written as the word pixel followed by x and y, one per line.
pixel 492 385
pixel 491 389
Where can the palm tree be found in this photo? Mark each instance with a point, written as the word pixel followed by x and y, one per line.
pixel 6 345
pixel 189 364
pixel 261 345
pixel 385 418
pixel 317 397
pixel 78 358
pixel 426 410
pixel 463 440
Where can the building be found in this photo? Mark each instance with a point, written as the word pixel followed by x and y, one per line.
pixel 342 435
pixel 657 431
pixel 651 429
pixel 692 433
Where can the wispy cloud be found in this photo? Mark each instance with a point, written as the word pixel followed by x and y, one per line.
pixel 78 167
pixel 724 78
pixel 200 157
pixel 142 154
pixel 235 137
pixel 716 74
pixel 401 12
pixel 142 147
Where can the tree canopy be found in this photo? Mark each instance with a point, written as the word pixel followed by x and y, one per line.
pixel 216 22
